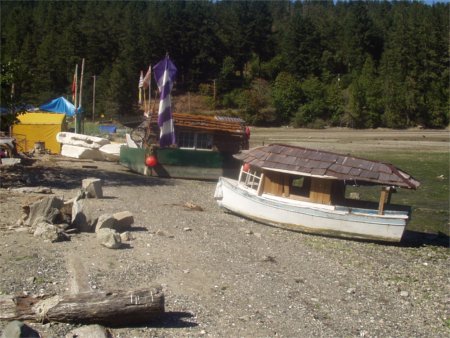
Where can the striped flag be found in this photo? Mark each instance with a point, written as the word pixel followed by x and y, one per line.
pixel 140 86
pixel 165 72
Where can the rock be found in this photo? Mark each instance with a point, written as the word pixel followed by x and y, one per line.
pixel 17 329
pixel 84 215
pixel 404 294
pixel 93 187
pixel 268 258
pixel 67 207
pixel 161 232
pixel 111 152
pixel 126 236
pixel 48 209
pixel 89 331
pixel 36 190
pixel 62 226
pixel 109 238
pixel 193 206
pixel 80 140
pixel 106 221
pixel 79 219
pixel 49 232
pixel 68 150
pixel 124 220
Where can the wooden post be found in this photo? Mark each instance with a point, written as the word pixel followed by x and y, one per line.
pixel 286 190
pixel 93 102
pixel 214 93
pixel 76 98
pixel 385 195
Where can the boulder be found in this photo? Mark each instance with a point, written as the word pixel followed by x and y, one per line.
pixel 89 331
pixel 111 152
pixel 48 209
pixel 109 238
pixel 93 187
pixel 49 232
pixel 83 216
pixel 106 221
pixel 126 236
pixel 81 152
pixel 81 140
pixel 124 220
pixel 17 329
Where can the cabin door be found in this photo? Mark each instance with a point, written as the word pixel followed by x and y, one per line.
pixel 320 190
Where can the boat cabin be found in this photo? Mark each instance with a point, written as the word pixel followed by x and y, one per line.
pixel 203 132
pixel 317 176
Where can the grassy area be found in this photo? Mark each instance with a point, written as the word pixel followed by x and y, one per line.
pixel 431 201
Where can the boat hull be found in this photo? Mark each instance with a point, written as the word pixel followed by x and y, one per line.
pixel 310 217
pixel 181 163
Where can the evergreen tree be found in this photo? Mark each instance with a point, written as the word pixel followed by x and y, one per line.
pixel 391 58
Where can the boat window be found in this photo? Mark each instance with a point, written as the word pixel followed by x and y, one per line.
pixel 194 140
pixel 250 178
pixel 186 140
pixel 204 141
pixel 300 186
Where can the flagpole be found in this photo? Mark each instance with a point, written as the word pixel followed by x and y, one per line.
pixel 149 91
pixel 93 102
pixel 81 90
pixel 76 96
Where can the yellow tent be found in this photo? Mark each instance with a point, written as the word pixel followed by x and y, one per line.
pixel 39 127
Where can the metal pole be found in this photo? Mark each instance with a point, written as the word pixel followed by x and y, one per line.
pixel 93 102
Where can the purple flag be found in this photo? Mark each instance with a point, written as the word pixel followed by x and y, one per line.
pixel 165 72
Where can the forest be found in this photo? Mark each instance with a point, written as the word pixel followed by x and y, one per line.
pixel 301 63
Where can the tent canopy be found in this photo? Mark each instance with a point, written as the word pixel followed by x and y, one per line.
pixel 39 127
pixel 59 105
pixel 41 118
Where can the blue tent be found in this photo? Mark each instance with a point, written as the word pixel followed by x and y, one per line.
pixel 59 105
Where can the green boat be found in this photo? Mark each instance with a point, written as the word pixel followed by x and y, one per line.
pixel 204 150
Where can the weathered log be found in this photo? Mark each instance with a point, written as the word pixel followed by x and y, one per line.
pixel 111 308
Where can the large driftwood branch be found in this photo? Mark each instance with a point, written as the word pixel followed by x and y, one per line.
pixel 112 308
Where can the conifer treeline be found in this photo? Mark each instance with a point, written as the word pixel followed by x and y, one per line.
pixel 309 63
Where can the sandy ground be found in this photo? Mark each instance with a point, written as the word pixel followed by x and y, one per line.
pixel 346 140
pixel 224 276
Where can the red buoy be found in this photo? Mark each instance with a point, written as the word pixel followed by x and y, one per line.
pixel 151 161
pixel 246 167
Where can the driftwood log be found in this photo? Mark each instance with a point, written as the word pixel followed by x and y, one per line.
pixel 111 308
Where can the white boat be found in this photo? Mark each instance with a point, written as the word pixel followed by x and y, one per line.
pixel 304 189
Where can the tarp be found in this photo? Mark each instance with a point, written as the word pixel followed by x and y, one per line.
pixel 38 127
pixel 59 105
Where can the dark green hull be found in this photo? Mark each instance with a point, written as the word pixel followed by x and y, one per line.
pixel 182 163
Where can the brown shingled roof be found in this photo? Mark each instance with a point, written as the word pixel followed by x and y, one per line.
pixel 310 162
pixel 206 122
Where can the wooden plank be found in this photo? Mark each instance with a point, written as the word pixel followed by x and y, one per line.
pixel 286 185
pixel 320 191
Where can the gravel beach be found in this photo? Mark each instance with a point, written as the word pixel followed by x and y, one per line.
pixel 222 275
